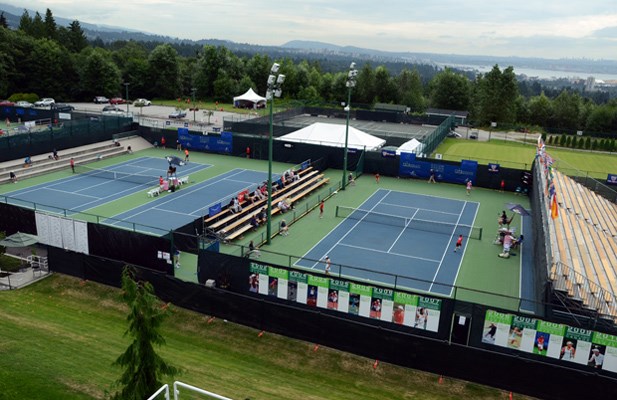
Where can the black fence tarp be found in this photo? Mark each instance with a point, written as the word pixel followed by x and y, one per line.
pixel 16 219
pixel 363 337
pixel 131 247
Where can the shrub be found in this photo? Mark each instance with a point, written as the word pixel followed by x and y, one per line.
pixel 562 140
pixel 588 143
pixel 30 97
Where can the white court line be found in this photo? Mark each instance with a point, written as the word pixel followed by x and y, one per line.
pixel 246 182
pixel 403 230
pixel 71 193
pixel 350 229
pixel 446 250
pixel 465 249
pixel 388 252
pixel 423 209
pixel 441 198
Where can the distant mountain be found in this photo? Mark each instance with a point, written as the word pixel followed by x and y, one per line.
pixel 316 50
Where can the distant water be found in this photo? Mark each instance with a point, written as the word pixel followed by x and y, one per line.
pixel 540 73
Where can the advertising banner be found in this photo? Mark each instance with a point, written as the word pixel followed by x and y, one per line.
pixel 215 143
pixel 409 166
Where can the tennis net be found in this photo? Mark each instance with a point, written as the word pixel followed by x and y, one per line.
pixel 117 175
pixel 468 231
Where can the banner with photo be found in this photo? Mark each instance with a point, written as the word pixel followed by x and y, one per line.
pixel 549 339
pixel 384 304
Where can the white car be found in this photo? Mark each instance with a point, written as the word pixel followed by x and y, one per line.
pixel 46 102
pixel 23 104
pixel 142 103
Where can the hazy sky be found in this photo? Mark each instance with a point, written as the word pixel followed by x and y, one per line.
pixel 549 28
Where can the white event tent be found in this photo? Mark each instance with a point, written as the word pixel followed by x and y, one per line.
pixel 334 135
pixel 249 99
pixel 412 146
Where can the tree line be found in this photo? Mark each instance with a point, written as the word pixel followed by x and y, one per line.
pixel 52 61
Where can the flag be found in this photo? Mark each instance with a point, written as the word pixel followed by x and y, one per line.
pixel 554 208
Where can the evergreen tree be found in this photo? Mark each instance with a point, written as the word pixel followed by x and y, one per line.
pixel 568 141
pixel 25 23
pixel 562 140
pixel 588 143
pixel 550 140
pixel 51 30
pixel 76 38
pixel 594 145
pixel 37 29
pixel 143 367
pixel 581 143
pixel 602 145
pixel 574 142
pixel 3 22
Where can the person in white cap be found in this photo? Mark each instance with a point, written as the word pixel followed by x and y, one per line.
pixel 596 358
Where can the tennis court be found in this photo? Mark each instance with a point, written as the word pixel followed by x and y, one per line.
pixel 401 239
pixel 180 208
pixel 90 188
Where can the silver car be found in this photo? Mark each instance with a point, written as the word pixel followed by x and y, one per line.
pixel 23 104
pixel 46 102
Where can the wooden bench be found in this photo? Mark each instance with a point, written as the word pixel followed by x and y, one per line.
pixel 239 227
pixel 260 203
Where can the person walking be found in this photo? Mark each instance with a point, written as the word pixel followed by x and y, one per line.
pixel 459 243
pixel 431 178
pixel 321 205
pixel 328 265
pixel 13 177
pixel 248 152
pixel 72 163
pixel 163 141
pixel 186 155
pixel 377 177
pixel 178 145
pixel 468 187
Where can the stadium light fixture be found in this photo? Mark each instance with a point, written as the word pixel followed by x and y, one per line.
pixel 351 83
pixel 275 80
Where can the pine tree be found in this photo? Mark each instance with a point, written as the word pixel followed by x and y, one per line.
pixel 568 141
pixel 594 145
pixel 3 22
pixel 51 30
pixel 574 142
pixel 588 143
pixel 143 367
pixel 562 140
pixel 602 145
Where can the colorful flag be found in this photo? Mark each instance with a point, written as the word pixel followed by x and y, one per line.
pixel 554 208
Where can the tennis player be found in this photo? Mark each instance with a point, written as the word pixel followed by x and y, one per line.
pixel 459 243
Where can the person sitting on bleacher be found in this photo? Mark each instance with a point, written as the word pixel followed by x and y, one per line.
pixel 27 162
pixel 283 206
pixel 262 217
pixel 258 195
pixel 235 205
pixel 254 223
pixel 288 203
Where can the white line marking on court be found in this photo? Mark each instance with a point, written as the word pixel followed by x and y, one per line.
pixel 350 229
pixel 423 209
pixel 465 248
pixel 71 193
pixel 403 230
pixel 245 182
pixel 388 252
pixel 446 250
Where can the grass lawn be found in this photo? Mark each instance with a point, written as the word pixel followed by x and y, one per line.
pixel 517 155
pixel 61 335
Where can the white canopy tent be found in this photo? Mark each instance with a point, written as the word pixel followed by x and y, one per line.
pixel 250 99
pixel 412 146
pixel 334 135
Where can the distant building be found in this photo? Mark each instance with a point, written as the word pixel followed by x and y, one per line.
pixel 590 84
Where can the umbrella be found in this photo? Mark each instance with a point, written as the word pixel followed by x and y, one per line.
pixel 517 208
pixel 19 240
pixel 175 160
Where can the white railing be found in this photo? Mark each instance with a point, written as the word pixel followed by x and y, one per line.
pixel 178 385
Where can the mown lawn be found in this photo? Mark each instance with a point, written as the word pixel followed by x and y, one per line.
pixel 517 155
pixel 59 337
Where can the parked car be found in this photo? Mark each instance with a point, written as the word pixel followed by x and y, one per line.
pixel 177 114
pixel 113 110
pixel 45 102
pixel 142 103
pixel 117 100
pixel 63 107
pixel 454 134
pixel 7 103
pixel 101 100
pixel 23 104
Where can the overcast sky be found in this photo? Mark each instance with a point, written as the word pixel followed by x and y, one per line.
pixel 548 29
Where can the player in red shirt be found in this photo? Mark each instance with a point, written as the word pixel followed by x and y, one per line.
pixel 459 243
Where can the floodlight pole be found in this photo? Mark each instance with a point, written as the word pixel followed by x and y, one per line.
pixel 126 86
pixel 275 81
pixel 193 90
pixel 351 82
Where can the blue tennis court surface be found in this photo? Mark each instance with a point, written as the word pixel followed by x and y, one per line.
pixel 394 233
pixel 184 206
pixel 80 192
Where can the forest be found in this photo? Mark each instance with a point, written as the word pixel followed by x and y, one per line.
pixel 42 59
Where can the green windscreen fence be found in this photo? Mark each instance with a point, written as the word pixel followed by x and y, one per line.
pixel 438 135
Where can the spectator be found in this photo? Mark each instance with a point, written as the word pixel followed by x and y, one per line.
pixel 163 141
pixel 248 152
pixel 235 205
pixel 55 155
pixel 129 150
pixel 284 228
pixel 262 216
pixel 27 162
pixel 254 223
pixel 282 206
pixel 13 177
pixel 253 251
pixel 351 179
